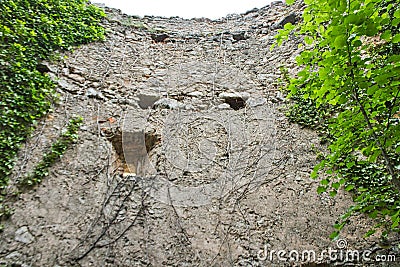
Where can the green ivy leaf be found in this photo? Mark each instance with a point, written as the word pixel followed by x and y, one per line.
pixel 386 35
pixel 340 41
pixel 353 19
pixel 349 187
pixel 321 189
pixel 371 29
pixel 336 185
pixel 334 236
pixel 395 223
pixel 324 182
pixel 373 214
pixel 396 38
pixel 370 232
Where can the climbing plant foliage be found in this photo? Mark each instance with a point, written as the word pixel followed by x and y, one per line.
pixel 349 86
pixel 32 31
pixel 56 151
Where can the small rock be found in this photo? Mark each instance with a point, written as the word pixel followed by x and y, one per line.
pixel 264 31
pixel 99 5
pixel 224 106
pixel 23 235
pixel 274 100
pixel 65 85
pixel 96 84
pixel 190 107
pixel 131 37
pixel 65 71
pixel 267 77
pixel 91 92
pixel 82 200
pixel 202 106
pixel 217 38
pixel 195 94
pixel 131 176
pixel 52 76
pixel 168 103
pixel 109 93
pixel 227 95
pixel 146 71
pixel 147 100
pixel 14 255
pixel 255 102
pixel 76 77
pixel 280 96
pixel 78 70
pixel 125 101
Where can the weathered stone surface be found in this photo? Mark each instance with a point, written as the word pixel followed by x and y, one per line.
pixel 14 256
pixel 96 84
pixel 168 103
pixel 230 96
pixel 76 77
pixel 195 94
pixel 23 235
pixel 231 174
pixel 91 92
pixel 65 85
pixel 255 101
pixel 147 100
pixel 224 106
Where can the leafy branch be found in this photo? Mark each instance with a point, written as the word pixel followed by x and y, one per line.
pixel 348 89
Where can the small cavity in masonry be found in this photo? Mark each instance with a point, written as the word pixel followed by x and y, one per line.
pixel 132 149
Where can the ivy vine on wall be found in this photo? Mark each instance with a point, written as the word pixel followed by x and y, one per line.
pixel 32 31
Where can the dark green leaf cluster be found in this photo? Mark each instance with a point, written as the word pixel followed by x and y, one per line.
pixel 350 88
pixel 31 31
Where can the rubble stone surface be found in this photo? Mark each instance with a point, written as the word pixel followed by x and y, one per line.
pixel 217 185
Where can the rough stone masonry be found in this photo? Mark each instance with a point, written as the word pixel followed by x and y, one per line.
pixel 185 157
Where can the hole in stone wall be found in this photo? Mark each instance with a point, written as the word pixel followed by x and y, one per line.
pixel 236 103
pixel 151 140
pixel 116 139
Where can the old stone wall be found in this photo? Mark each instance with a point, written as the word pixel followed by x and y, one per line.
pixel 185 157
